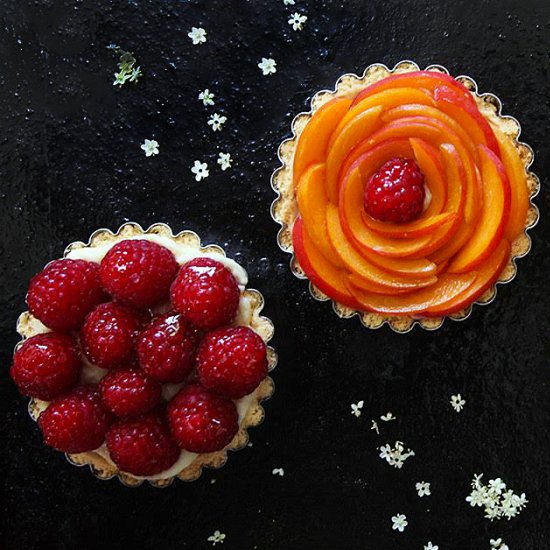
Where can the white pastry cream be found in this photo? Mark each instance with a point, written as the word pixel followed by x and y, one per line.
pixel 183 253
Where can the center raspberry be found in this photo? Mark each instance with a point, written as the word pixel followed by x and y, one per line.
pixel 395 193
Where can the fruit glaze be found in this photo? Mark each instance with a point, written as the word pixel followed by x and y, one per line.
pixel 144 355
pixel 404 196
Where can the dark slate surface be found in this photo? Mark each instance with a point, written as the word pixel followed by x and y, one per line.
pixel 70 162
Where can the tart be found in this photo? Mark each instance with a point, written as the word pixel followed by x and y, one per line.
pixel 404 196
pixel 144 354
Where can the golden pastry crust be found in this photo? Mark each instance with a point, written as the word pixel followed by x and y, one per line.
pixel 284 209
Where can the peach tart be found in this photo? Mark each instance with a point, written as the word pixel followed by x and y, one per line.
pixel 405 196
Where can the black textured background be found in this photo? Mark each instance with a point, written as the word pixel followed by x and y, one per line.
pixel 70 162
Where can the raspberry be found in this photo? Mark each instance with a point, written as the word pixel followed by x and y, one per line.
pixel 142 446
pixel 232 361
pixel 109 333
pixel 46 365
pixel 138 273
pixel 205 293
pixel 64 292
pixel 129 392
pixel 167 347
pixel 77 422
pixel 395 193
pixel 201 421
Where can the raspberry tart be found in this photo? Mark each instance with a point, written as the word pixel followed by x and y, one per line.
pixel 144 354
pixel 405 196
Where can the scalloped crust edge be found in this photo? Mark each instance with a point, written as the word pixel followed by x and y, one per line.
pixel 99 466
pixel 284 209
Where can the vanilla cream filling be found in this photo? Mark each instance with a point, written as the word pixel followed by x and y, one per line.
pixel 183 253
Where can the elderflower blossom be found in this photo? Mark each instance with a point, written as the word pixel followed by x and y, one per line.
pixel 356 408
pixel 399 522
pixel 495 499
pixel 268 66
pixel 423 488
pixel 457 403
pixel 297 21
pixel 216 537
pixel 395 456
pixel 197 35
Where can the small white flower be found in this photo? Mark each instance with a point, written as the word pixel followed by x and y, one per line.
pixel 496 486
pixel 212 481
pixel 289 2
pixel 216 121
pixel 197 35
pixel 431 546
pixel 278 472
pixel 268 66
pixel 151 147
pixel 399 522
pixel 249 444
pixel 498 544
pixel 388 417
pixel 476 482
pixel 476 498
pixel 225 161
pixel 207 97
pixel 395 457
pixel 297 21
pixel 356 408
pixel 374 427
pixel 423 488
pixel 200 169
pixel 457 403
pixel 216 537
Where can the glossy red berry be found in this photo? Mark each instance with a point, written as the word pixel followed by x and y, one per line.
pixel 64 292
pixel 232 361
pixel 76 422
pixel 138 272
pixel 109 334
pixel 46 365
pixel 167 347
pixel 129 392
pixel 201 421
pixel 395 193
pixel 206 293
pixel 142 446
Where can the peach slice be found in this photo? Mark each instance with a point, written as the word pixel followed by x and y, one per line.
pixel 518 184
pixel 417 228
pixel 355 131
pixel 446 289
pixel 415 79
pixel 427 158
pixel 318 269
pixel 357 263
pixel 351 209
pixel 486 276
pixel 388 99
pixel 312 203
pixel 313 141
pixel 369 286
pixel 468 115
pixel 456 201
pixel 494 214
pixel 448 124
pixel 407 128
pixel 448 250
